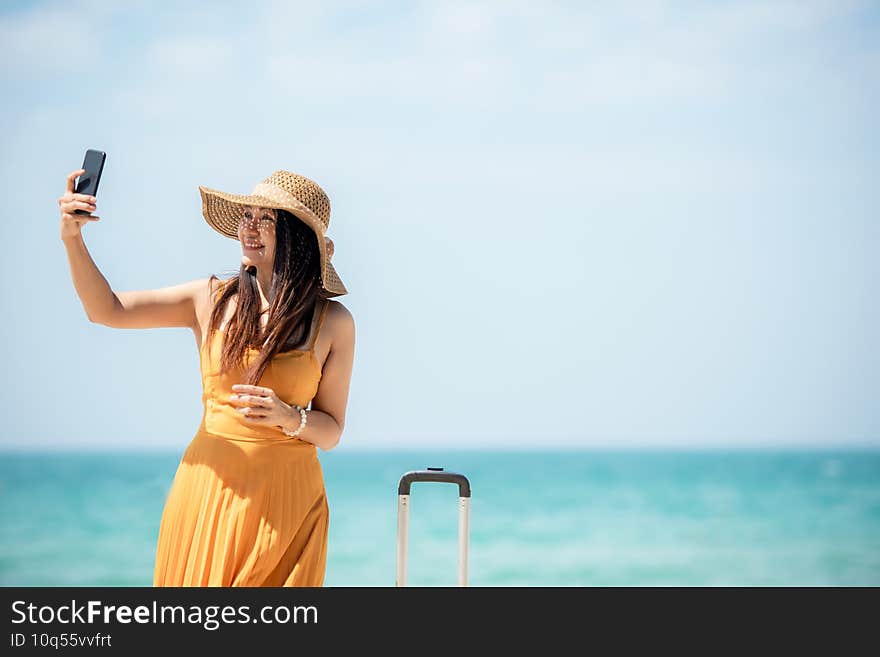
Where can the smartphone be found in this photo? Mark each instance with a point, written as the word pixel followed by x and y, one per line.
pixel 93 163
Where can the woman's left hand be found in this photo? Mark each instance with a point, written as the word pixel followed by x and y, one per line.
pixel 260 405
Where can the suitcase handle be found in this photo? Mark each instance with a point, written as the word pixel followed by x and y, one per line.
pixel 434 474
pixel 464 507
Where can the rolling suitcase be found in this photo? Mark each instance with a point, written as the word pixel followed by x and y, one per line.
pixel 464 510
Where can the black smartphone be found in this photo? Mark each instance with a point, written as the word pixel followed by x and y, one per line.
pixel 93 163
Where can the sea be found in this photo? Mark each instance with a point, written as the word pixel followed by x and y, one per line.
pixel 749 517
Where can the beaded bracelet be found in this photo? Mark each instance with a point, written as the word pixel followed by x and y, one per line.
pixel 302 422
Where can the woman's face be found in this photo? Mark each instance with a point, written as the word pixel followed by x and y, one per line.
pixel 256 232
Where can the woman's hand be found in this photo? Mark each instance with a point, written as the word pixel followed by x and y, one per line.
pixel 260 405
pixel 71 224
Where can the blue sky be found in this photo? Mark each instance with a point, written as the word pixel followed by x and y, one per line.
pixel 559 224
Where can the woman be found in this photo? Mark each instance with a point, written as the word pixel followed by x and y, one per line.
pixel 247 506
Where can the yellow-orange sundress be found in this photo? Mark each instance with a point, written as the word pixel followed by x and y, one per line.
pixel 247 506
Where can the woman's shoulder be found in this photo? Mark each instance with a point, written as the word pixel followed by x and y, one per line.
pixel 216 284
pixel 339 320
pixel 338 310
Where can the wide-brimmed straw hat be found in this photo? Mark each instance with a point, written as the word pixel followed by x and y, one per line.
pixel 283 190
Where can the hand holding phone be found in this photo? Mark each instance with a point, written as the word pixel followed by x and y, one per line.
pixel 69 202
pixel 93 164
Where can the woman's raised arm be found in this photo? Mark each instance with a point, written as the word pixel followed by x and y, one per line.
pixel 168 306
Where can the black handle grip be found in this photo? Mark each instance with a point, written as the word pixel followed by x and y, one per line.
pixel 434 474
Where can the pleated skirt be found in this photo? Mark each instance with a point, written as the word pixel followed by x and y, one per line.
pixel 244 513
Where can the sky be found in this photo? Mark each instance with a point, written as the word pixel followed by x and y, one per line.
pixel 561 225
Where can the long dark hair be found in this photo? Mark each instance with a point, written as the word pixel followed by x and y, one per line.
pixel 296 288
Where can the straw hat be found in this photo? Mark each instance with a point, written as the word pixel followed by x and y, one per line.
pixel 283 190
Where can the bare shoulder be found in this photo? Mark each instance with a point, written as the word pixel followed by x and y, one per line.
pixel 339 315
pixel 340 322
pixel 206 291
pixel 216 284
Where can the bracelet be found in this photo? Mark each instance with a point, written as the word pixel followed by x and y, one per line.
pixel 302 422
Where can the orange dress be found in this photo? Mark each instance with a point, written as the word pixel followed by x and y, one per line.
pixel 247 506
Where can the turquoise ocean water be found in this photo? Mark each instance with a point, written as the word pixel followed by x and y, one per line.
pixel 556 518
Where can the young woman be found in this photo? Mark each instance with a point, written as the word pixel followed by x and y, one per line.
pixel 247 506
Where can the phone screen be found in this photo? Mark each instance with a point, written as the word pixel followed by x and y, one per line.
pixel 93 163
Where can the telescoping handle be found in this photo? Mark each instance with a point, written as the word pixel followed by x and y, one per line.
pixel 464 510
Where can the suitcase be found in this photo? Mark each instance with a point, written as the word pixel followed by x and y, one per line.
pixel 464 511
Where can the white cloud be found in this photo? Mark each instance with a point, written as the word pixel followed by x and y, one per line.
pixel 446 54
pixel 191 56
pixel 47 40
pixel 61 40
